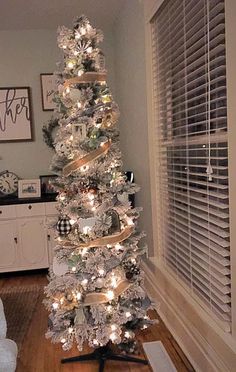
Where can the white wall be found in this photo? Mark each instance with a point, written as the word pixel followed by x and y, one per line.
pixel 24 55
pixel 131 98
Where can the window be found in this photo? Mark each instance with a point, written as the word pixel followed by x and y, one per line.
pixel 189 72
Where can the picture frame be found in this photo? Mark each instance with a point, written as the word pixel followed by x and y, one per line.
pixel 48 87
pixel 46 187
pixel 79 131
pixel 15 114
pixel 29 188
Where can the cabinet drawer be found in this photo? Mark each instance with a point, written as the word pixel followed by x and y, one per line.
pixel 51 209
pixel 30 210
pixel 8 211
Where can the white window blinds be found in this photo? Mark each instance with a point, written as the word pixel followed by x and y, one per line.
pixel 188 43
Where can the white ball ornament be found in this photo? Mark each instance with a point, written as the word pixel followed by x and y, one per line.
pixel 99 282
pixel 59 269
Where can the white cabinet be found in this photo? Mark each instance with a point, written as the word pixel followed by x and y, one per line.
pixel 25 240
pixel 9 256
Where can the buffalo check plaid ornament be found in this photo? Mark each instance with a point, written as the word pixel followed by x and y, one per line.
pixel 64 226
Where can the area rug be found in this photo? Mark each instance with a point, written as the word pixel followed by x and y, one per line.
pixel 19 306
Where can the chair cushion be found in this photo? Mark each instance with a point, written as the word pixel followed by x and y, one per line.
pixel 8 355
pixel 3 324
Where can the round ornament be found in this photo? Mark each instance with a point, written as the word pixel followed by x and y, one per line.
pixel 100 283
pixel 63 148
pixel 58 268
pixel 64 226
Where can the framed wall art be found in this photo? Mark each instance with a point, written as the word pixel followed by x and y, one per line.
pixel 29 188
pixel 15 114
pixel 48 87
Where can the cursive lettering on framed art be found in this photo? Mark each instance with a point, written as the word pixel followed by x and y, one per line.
pixel 48 87
pixel 15 114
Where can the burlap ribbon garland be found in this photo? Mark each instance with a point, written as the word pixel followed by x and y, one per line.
pixel 105 240
pixel 92 298
pixel 95 298
pixel 80 162
pixel 87 77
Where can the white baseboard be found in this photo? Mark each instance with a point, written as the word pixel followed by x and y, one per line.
pixel 192 334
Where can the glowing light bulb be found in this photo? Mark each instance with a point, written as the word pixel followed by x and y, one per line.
pixel 86 229
pixel 114 282
pixel 78 296
pixel 84 251
pixel 68 90
pixel 63 340
pixel 79 105
pixel 113 327
pixel 55 305
pixel 71 138
pixel 127 334
pixel 91 196
pixel 70 64
pixel 93 277
pixel 102 144
pixel 109 245
pixel 70 330
pixel 118 246
pixel 144 326
pixel 62 300
pixel 64 46
pixel 146 317
pixel 93 209
pixel 133 260
pixel 129 222
pixel 110 295
pixel 95 342
pixel 113 336
pixel 80 72
pixel 73 269
pixel 101 272
pixel 128 314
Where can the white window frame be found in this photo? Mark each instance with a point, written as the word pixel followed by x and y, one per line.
pixel 150 8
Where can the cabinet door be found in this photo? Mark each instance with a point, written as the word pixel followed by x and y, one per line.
pixel 9 259
pixel 33 243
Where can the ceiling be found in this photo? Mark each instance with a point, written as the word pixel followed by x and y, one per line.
pixel 48 14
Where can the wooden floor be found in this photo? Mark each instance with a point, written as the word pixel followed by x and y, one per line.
pixel 39 355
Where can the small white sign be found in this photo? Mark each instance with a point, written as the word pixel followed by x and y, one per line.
pixel 79 131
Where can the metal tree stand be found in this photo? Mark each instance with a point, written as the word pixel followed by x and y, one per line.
pixel 103 354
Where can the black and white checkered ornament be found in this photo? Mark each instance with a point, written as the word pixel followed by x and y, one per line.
pixel 64 226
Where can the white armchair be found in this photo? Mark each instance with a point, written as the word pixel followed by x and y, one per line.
pixel 8 348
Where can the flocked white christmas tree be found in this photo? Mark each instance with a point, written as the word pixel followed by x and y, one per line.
pixel 96 292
